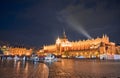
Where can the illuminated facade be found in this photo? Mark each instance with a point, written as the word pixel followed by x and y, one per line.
pixel 16 51
pixel 20 51
pixel 87 48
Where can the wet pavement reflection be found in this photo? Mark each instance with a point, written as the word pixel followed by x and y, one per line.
pixel 76 68
pixel 23 69
pixel 66 68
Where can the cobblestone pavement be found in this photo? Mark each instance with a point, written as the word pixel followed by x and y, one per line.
pixel 84 69
pixel 21 69
pixel 66 68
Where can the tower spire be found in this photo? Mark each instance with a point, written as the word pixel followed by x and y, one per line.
pixel 64 34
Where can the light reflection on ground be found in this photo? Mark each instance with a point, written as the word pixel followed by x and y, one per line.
pixel 67 68
pixel 22 69
pixel 84 69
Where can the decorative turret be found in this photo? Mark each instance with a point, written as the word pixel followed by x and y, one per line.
pixel 103 36
pixel 58 41
pixel 64 35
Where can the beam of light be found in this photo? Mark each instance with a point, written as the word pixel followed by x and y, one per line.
pixel 82 31
pixel 71 16
pixel 73 23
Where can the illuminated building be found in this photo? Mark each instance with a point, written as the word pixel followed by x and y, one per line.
pixel 20 51
pixel 118 49
pixel 16 51
pixel 87 48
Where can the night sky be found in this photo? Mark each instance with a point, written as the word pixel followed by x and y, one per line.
pixel 39 22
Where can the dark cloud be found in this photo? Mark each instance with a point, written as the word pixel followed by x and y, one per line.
pixel 38 22
pixel 93 16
